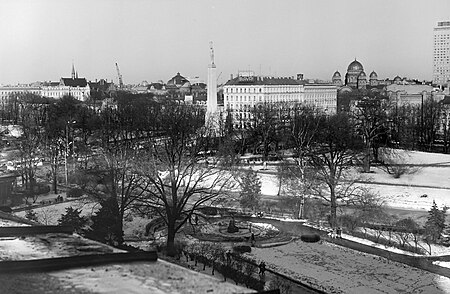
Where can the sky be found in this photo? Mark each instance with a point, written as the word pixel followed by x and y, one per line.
pixel 154 39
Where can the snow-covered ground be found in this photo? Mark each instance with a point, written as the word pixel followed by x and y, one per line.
pixel 335 269
pixel 431 176
pixel 49 215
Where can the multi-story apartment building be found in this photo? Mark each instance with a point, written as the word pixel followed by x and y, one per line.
pixel 8 91
pixel 243 93
pixel 441 53
pixel 74 86
pixel 321 96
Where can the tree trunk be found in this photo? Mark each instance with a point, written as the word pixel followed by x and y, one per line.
pixel 366 164
pixel 171 239
pixel 333 217
pixel 55 179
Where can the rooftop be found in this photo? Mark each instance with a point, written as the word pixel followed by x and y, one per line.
pixel 52 260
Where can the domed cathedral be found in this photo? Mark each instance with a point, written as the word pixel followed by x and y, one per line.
pixel 355 77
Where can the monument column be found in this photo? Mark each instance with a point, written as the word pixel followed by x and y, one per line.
pixel 211 98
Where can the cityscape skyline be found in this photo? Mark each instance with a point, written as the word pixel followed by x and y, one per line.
pixel 153 40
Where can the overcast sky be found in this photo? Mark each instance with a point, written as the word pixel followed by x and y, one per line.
pixel 154 39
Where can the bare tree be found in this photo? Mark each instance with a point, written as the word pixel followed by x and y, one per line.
pixel 333 153
pixel 177 183
pixel 371 122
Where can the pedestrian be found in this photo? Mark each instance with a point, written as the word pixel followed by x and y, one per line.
pixel 339 232
pixel 252 240
pixel 228 254
pixel 262 268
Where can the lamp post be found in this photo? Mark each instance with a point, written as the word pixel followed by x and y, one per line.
pixel 67 150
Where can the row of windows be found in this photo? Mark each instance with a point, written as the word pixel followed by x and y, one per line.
pixel 260 90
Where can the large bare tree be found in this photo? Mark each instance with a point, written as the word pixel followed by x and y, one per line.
pixel 177 181
pixel 371 119
pixel 333 153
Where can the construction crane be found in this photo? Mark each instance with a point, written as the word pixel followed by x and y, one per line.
pixel 120 76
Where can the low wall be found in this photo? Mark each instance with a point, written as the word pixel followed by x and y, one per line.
pixel 62 263
pixel 34 230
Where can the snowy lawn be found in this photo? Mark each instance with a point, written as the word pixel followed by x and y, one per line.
pixel 431 176
pixel 49 215
pixel 341 270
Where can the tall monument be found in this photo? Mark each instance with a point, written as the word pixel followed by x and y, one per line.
pixel 211 98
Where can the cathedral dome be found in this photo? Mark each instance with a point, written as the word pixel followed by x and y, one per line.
pixel 362 75
pixel 397 79
pixel 355 66
pixel 337 75
pixel 373 75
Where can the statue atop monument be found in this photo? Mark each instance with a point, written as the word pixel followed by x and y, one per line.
pixel 211 52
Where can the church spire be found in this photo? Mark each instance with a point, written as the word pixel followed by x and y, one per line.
pixel 73 71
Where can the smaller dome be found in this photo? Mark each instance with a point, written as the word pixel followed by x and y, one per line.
pixel 373 74
pixel 362 75
pixel 397 79
pixel 337 74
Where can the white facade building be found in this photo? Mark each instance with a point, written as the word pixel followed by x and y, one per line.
pixel 8 91
pixel 321 96
pixel 441 53
pixel 244 92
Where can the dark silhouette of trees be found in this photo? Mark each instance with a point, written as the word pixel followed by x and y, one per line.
pixel 59 131
pixel 263 126
pixel 429 123
pixel 371 120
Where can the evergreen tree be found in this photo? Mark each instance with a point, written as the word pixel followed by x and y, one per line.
pixel 31 215
pixel 73 218
pixel 251 190
pixel 435 223
pixel 107 225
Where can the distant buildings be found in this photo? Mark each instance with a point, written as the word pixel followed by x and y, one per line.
pixel 356 78
pixel 74 86
pixel 441 53
pixel 244 92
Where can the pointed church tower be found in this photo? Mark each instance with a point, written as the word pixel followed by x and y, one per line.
pixel 211 98
pixel 73 71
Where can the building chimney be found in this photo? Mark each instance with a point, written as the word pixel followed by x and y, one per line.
pixel 231 76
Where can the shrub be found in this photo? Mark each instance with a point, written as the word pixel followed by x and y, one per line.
pixel 348 221
pixel 74 193
pixel 208 210
pixel 242 248
pixel 31 215
pixel 310 238
pixel 41 188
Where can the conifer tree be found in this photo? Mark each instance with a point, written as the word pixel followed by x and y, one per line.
pixel 435 223
pixel 106 226
pixel 251 190
pixel 73 218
